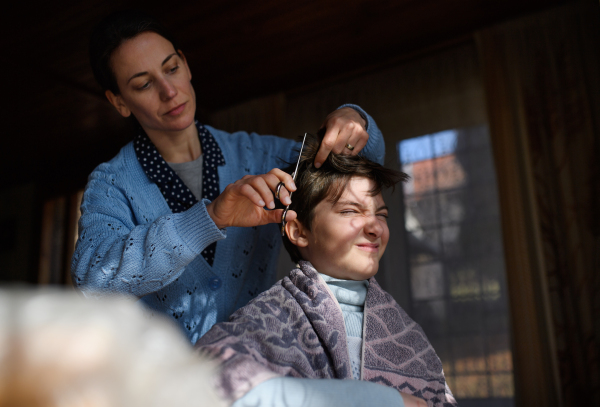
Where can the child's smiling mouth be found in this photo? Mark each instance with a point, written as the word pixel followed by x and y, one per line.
pixel 369 247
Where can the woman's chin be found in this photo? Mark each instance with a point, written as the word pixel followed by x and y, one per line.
pixel 180 124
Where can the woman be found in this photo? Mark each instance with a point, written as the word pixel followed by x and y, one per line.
pixel 152 216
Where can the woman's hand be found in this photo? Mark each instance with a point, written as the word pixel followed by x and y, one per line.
pixel 344 127
pixel 242 203
pixel 412 401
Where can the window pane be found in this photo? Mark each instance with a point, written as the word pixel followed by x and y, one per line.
pixel 427 281
pixel 457 276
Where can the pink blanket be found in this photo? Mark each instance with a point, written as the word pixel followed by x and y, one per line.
pixel 296 329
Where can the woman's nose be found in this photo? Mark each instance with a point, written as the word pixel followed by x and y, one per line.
pixel 167 90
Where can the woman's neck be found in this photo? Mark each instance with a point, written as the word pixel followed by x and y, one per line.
pixel 177 147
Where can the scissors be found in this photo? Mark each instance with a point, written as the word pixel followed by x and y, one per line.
pixel 283 222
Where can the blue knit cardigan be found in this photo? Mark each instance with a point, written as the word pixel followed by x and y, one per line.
pixel 131 242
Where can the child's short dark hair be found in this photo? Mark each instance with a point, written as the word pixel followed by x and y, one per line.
pixel 329 182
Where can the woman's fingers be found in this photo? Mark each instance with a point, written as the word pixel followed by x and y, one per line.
pixel 345 134
pixel 251 192
pixel 291 215
pixel 277 176
pixel 349 139
pixel 242 203
pixel 260 186
pixel 348 134
pixel 355 143
pixel 275 216
pixel 261 189
pixel 285 178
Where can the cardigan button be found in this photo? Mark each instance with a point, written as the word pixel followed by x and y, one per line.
pixel 214 283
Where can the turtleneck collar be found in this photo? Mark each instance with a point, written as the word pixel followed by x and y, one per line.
pixel 347 292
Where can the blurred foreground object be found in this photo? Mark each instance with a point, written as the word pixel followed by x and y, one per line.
pixel 59 349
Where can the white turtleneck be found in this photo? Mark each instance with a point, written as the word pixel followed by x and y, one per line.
pixel 350 295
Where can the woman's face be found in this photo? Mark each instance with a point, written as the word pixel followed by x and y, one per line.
pixel 154 81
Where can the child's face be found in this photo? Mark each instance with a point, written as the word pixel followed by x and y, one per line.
pixel 347 239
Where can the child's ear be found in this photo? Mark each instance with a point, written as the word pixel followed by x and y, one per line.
pixel 296 232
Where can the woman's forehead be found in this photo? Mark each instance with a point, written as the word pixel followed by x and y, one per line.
pixel 144 51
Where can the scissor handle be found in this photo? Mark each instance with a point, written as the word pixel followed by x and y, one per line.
pixel 294 178
pixel 283 221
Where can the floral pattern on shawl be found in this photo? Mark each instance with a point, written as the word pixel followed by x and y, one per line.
pixel 296 329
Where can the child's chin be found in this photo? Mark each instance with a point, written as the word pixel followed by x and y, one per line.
pixel 364 274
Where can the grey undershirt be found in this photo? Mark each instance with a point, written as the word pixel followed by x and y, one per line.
pixel 191 175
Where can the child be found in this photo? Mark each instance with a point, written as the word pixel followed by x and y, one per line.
pixel 329 319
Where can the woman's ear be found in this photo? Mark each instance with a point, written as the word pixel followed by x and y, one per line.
pixel 180 53
pixel 297 233
pixel 118 102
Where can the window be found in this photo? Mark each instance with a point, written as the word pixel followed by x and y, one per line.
pixel 59 235
pixel 456 268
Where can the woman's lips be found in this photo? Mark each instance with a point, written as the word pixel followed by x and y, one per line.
pixel 176 111
pixel 369 247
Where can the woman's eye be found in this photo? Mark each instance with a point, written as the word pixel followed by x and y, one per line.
pixel 346 211
pixel 382 215
pixel 176 67
pixel 144 86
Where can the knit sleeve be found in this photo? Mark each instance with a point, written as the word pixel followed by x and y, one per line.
pixel 116 253
pixel 375 148
pixel 298 392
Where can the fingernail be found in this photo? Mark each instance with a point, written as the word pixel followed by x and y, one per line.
pixel 261 203
pixel 317 165
pixel 294 185
pixel 287 200
pixel 271 205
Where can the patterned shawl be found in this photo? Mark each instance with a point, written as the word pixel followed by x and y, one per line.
pixel 296 329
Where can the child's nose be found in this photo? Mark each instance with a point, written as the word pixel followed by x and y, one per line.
pixel 373 226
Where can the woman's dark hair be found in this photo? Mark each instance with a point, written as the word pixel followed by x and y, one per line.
pixel 329 182
pixel 110 33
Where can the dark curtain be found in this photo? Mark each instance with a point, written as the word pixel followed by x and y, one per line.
pixel 542 78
